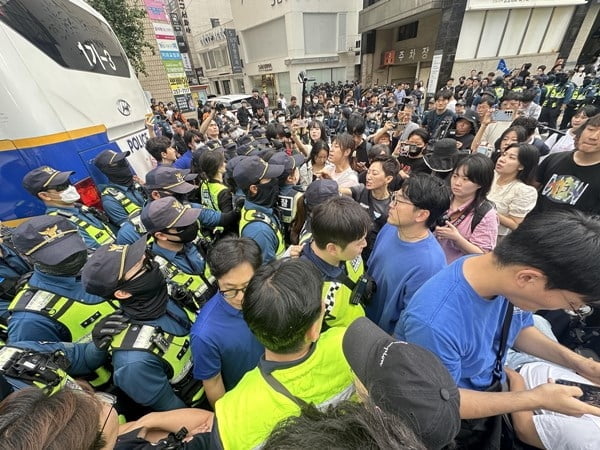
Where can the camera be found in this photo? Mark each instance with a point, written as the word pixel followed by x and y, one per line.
pixel 219 106
pixel 441 221
pixel 287 132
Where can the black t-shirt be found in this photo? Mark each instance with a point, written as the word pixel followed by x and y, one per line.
pixel 413 165
pixel 566 185
pixel 466 140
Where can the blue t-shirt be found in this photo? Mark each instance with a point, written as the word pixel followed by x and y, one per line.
pixel 399 269
pixel 222 342
pixel 463 329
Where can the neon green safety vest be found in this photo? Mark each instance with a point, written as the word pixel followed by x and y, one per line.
pixel 209 197
pixel 128 205
pixel 247 414
pixel 175 351
pixel 201 287
pixel 43 370
pixel 336 296
pixel 102 235
pixel 252 215
pixel 77 317
pixel 209 194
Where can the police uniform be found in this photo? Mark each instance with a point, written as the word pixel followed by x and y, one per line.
pixel 246 415
pixel 12 268
pixel 94 231
pixel 338 285
pixel 259 222
pixel 152 356
pixel 52 307
pixel 120 202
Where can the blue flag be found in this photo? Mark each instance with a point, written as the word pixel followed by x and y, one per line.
pixel 502 67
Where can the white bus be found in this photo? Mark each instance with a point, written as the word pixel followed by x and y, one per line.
pixel 67 92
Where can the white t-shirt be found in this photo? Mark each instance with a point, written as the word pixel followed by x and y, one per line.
pixel 515 199
pixel 566 143
pixel 558 431
pixel 345 179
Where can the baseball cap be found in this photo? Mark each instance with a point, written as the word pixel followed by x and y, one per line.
pixel 167 212
pixel 170 179
pixel 443 156
pixel 406 380
pixel 320 190
pixel 108 157
pixel 290 162
pixel 44 178
pixel 252 169
pixel 48 239
pixel 107 267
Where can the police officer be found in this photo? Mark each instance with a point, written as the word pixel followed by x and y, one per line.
pixel 53 305
pixel 258 181
pixel 174 227
pixel 289 191
pixel 12 268
pixel 60 197
pixel 151 356
pixel 121 199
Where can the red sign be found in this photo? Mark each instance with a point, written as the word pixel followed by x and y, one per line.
pixel 389 57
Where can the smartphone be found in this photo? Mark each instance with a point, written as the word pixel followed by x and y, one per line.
pixel 502 116
pixel 591 393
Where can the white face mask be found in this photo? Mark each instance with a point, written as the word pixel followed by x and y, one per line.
pixel 70 195
pixel 331 110
pixel 319 118
pixel 198 145
pixel 281 119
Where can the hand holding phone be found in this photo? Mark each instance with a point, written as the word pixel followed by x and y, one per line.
pixel 591 393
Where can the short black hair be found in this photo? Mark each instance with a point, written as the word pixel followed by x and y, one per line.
pixel 593 121
pixel 157 145
pixel 282 302
pixel 317 146
pixel 339 220
pixel 389 164
pixel 230 252
pixel 346 142
pixel 445 94
pixel 428 192
pixel 563 244
pixel 208 162
pixel 422 133
pixel 529 123
pixel 355 124
pixel 347 425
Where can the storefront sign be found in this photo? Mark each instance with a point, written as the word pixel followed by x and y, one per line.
pixel 234 50
pixel 506 4
pixel 389 58
pixel 268 67
pixel 436 64
pixel 412 54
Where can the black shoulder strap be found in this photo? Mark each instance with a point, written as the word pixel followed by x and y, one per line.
pixel 278 387
pixel 480 211
pixel 497 374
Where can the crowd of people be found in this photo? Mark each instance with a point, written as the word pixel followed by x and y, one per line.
pixel 359 271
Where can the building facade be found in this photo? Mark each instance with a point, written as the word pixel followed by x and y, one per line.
pixel 431 40
pixel 281 38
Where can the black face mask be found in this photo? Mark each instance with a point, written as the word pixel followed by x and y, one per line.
pixel 69 267
pixel 267 194
pixel 119 174
pixel 149 295
pixel 414 151
pixel 185 234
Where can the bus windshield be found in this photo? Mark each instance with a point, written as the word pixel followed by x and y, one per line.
pixel 66 33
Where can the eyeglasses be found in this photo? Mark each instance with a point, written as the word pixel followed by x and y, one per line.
pixel 232 293
pixel 396 198
pixel 107 399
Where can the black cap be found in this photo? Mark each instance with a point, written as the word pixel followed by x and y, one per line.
pixel 290 162
pixel 405 380
pixel 170 179
pixel 167 212
pixel 48 239
pixel 107 267
pixel 470 116
pixel 44 178
pixel 252 169
pixel 320 190
pixel 443 156
pixel 108 157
